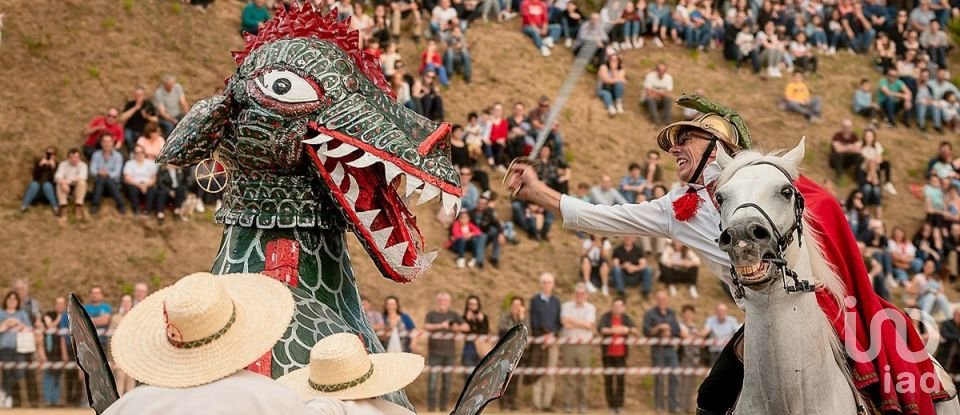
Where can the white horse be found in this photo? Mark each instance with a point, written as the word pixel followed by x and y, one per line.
pixel 793 359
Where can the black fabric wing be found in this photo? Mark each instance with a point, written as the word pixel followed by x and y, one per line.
pixel 490 378
pixel 97 375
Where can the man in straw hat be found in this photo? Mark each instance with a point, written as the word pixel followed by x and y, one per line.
pixel 691 215
pixel 189 344
pixel 343 379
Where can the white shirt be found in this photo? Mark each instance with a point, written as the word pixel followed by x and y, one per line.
pixel 656 219
pixel 441 16
pixel 652 81
pixel 333 406
pixel 722 331
pixel 586 312
pixel 241 393
pixel 140 172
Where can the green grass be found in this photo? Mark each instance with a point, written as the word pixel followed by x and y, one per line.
pixel 108 23
pixel 94 72
pixel 128 5
pixel 36 46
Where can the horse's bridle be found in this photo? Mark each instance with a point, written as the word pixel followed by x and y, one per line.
pixel 783 239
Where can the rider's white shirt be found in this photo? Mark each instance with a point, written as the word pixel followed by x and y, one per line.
pixel 656 219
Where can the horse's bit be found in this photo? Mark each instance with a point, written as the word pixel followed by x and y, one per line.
pixel 783 241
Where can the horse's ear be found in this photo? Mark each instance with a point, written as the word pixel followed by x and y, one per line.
pixel 795 155
pixel 723 159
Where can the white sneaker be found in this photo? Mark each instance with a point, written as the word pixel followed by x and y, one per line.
pixel 548 42
pixel 472 263
pixel 200 207
pixel 832 51
pixel 658 42
pixel 638 43
pixel 8 402
pixel 461 262
pixel 590 288
pixel 568 43
pixel 612 111
pixel 673 290
pixel 544 50
pixel 626 45
pixel 605 291
pixel 217 207
pixel 693 292
pixel 890 189
pixel 619 107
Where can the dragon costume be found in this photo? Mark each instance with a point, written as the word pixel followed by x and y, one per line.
pixel 315 145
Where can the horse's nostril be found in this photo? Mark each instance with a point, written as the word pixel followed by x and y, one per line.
pixel 759 232
pixel 725 238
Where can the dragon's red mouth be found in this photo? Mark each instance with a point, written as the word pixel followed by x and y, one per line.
pixel 367 187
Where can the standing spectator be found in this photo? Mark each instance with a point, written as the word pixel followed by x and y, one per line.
pixel 31 306
pixel 719 328
pixel 579 319
pixel 545 324
pixel 536 25
pixel 397 327
pixel 903 255
pixel 605 194
pixel 55 348
pixel 71 176
pixel 845 149
pixel 125 383
pixel 99 312
pixel 100 126
pixel 634 184
pixel 441 352
pixel 477 324
pixel 106 166
pixel 151 141
pixel 457 55
pixel 516 315
pixel 464 235
pixel 797 98
pixel 140 179
pixel 615 325
pixel 863 102
pixel 253 17
pixel 136 114
pixel 926 104
pixel 170 102
pixel 611 84
pixel 679 265
pixel 661 322
pixel 374 317
pixel 689 357
pixel 485 217
pixel 657 90
pixel 41 180
pixel 630 268
pixel 13 319
pixel 171 186
pixel 894 96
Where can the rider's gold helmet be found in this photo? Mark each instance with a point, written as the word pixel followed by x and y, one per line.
pixel 712 123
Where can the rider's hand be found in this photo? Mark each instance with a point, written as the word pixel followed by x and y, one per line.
pixel 521 181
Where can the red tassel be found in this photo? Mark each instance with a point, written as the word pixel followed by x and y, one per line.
pixel 686 206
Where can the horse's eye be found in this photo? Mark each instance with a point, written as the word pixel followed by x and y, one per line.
pixel 719 198
pixel 787 192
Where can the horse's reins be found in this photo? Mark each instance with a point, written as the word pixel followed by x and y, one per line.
pixel 784 239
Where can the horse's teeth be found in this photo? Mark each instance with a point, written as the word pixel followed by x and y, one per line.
pixel 319 139
pixel 413 184
pixel 337 174
pixel 395 252
pixel 342 150
pixel 429 192
pixel 381 236
pixel 365 160
pixel 366 218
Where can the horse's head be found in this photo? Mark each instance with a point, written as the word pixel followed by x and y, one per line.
pixel 761 214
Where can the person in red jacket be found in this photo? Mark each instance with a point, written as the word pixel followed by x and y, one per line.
pixel 99 125
pixel 536 24
pixel 432 59
pixel 465 234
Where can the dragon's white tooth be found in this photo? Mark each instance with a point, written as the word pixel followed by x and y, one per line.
pixel 413 183
pixel 320 155
pixel 380 237
pixel 429 192
pixel 365 160
pixel 450 202
pixel 394 254
pixel 319 139
pixel 366 218
pixel 390 171
pixel 353 192
pixel 342 150
pixel 426 259
pixel 337 174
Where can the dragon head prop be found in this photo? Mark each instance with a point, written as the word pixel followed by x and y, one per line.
pixel 313 138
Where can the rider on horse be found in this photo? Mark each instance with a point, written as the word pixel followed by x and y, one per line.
pixel 690 215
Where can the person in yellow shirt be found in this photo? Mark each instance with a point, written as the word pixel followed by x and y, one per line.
pixel 797 98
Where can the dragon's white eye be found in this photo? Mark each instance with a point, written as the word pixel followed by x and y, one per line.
pixel 286 86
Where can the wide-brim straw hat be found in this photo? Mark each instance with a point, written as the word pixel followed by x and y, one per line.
pixel 341 368
pixel 202 328
pixel 712 123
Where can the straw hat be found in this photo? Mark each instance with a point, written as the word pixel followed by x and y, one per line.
pixel 341 368
pixel 202 328
pixel 712 123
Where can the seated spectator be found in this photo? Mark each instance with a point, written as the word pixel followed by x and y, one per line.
pixel 104 124
pixel 441 16
pixel 71 177
pixel 942 164
pixel 804 59
pixel 457 56
pixel 658 12
pixel 873 161
pixel 474 140
pixel 404 9
pixel 817 33
pixel 863 102
pixel 926 291
pixel 633 184
pixel 42 181
pixel 772 50
pixel 886 53
pixel 538 119
pixel 553 171
pixel 926 104
pixel 595 264
pixel 933 200
pixel 431 59
pixel 630 268
pixel 397 327
pixel 106 166
pixel 691 114
pixel 934 40
pixel 605 194
pixel 657 90
pixel 797 98
pixel 151 141
pixel 253 17
pixel 583 192
pixel 465 235
pixel 171 186
pixel 921 16
pixel 140 179
pixel 170 102
pixel 836 36
pixel 679 265
pixel 910 43
pixel 909 70
pixel 893 97
pixel 430 101
pixel 856 211
pixel 948 352
pixel 680 19
pixel 402 90
pixel 388 60
pixel 471 194
pixel 943 84
pixel 652 169
pixel 720 328
pixel 903 256
pixel 858 33
pixel 697 31
pixel 633 24
pixel 929 243
pixel 485 217
pixel 570 20
pixel 950 107
pixel 137 113
pixel 536 25
pixel 611 84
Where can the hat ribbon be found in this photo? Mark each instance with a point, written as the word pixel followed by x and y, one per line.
pixel 206 340
pixel 341 386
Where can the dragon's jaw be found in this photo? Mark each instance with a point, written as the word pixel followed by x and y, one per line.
pixel 366 186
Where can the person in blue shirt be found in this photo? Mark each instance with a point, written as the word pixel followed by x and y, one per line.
pixel 106 165
pixel 863 101
pixel 254 14
pixel 633 184
pixel 13 319
pixel 99 312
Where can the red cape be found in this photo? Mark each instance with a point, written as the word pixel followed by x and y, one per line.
pixel 888 368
